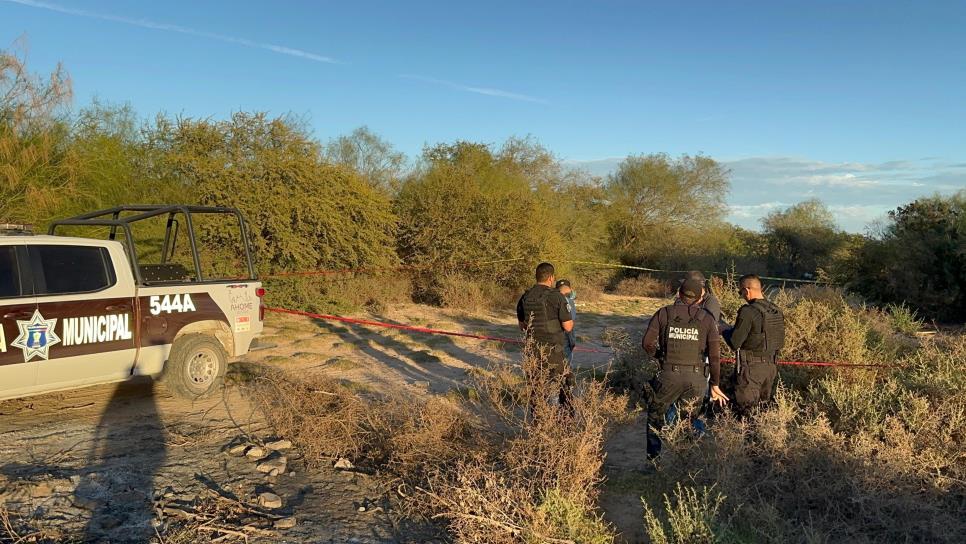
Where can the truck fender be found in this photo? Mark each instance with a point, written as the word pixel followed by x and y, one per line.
pixel 217 329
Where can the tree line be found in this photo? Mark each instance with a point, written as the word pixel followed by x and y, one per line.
pixel 355 201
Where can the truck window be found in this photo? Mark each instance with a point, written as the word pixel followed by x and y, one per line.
pixel 9 273
pixel 71 269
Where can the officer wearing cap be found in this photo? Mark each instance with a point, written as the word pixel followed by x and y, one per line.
pixel 680 336
pixel 757 338
pixel 565 289
pixel 542 312
pixel 709 302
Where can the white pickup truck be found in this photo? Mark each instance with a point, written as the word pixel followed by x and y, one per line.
pixel 79 311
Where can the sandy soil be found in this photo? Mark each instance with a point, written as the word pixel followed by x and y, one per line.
pixel 92 462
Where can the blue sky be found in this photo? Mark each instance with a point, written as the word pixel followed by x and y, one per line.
pixel 862 104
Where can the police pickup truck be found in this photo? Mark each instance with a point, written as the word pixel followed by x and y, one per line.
pixel 79 311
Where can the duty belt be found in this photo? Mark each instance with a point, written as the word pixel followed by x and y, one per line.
pixel 672 367
pixel 756 358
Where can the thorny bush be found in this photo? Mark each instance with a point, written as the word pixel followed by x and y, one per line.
pixel 870 457
pixel 511 467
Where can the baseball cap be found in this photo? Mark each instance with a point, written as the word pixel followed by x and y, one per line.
pixel 561 283
pixel 696 275
pixel 691 288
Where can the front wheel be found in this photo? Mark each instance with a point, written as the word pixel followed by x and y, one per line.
pixel 196 366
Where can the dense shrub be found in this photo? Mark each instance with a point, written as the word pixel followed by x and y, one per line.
pixel 919 260
pixel 468 204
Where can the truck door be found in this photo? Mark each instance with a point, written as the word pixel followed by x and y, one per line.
pixel 18 359
pixel 87 293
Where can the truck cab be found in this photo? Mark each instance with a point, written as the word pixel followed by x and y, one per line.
pixel 79 311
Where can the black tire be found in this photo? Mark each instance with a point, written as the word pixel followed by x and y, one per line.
pixel 196 366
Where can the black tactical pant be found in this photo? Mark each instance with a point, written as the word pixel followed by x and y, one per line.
pixel 555 367
pixel 754 385
pixel 675 383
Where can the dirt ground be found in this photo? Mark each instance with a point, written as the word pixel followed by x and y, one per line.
pixel 95 464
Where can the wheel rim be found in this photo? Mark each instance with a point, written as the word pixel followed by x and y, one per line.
pixel 202 368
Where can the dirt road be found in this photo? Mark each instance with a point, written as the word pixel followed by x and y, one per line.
pixel 92 464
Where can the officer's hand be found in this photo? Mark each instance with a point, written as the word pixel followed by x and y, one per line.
pixel 717 395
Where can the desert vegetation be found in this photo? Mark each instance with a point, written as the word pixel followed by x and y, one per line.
pixel 857 455
pixel 355 202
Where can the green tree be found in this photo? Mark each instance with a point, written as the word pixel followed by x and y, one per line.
pixel 654 197
pixel 38 171
pixel 371 156
pixel 467 203
pixel 920 258
pixel 304 213
pixel 801 238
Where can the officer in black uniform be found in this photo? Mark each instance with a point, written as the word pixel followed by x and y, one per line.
pixel 543 314
pixel 709 302
pixel 757 338
pixel 681 336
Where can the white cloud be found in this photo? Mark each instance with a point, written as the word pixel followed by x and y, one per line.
pixel 144 23
pixel 478 90
pixel 856 193
pixel 754 211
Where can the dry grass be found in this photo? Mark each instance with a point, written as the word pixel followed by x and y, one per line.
pixel 211 519
pixel 329 419
pixel 500 465
pixel 643 286
pixel 826 324
pixel 539 480
pixel 867 458
pixel 15 529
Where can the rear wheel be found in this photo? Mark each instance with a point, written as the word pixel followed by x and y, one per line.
pixel 196 366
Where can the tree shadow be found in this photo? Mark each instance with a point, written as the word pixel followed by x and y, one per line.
pixel 405 362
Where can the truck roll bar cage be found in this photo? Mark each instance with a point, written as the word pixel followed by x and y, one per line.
pixel 113 218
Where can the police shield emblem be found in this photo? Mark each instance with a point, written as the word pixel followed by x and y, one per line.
pixel 36 337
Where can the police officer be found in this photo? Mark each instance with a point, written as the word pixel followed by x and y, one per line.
pixel 544 315
pixel 568 292
pixel 681 336
pixel 709 302
pixel 757 338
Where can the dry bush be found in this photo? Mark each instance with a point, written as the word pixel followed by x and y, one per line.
pixel 15 529
pixel 508 467
pixel 461 292
pixel 539 481
pixel 643 286
pixel 590 284
pixel 328 419
pixel 876 458
pixel 825 324
pixel 631 370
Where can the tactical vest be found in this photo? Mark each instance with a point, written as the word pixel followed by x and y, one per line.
pixel 683 337
pixel 545 326
pixel 770 340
